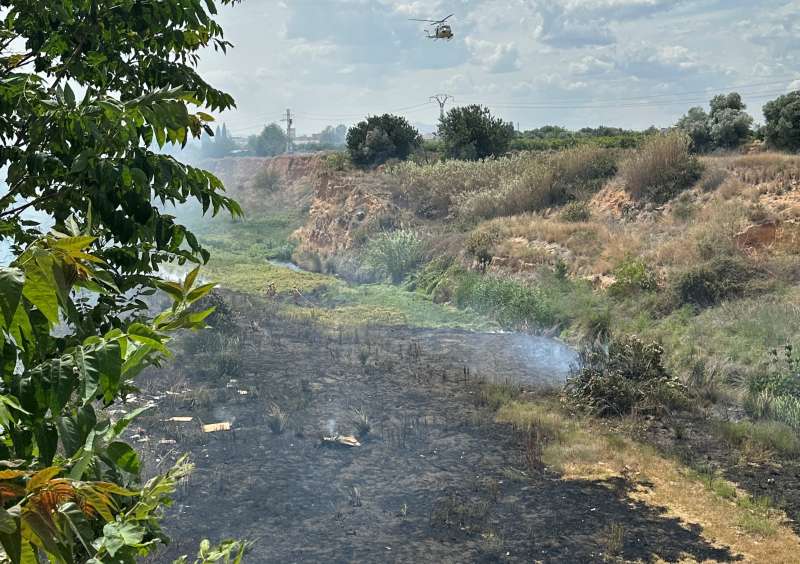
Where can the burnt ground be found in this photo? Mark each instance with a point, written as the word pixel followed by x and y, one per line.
pixel 436 480
pixel 697 445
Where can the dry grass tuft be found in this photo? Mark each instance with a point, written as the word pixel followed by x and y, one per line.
pixel 662 168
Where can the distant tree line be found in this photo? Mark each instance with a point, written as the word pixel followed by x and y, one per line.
pixel 727 125
pixel 472 132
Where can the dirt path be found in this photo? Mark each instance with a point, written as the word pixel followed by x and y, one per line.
pixel 436 480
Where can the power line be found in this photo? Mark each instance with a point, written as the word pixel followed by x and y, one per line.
pixel 610 105
pixel 441 99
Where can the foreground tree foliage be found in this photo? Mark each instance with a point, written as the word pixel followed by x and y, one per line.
pixel 87 87
pixel 471 133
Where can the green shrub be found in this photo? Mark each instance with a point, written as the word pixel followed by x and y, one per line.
pixel 632 275
pixel 716 280
pixel 625 375
pixel 774 392
pixel 512 303
pixel 662 168
pixel 575 211
pixel 338 161
pixel 395 254
pixel 480 245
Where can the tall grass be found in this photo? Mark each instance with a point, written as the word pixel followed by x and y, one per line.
pixel 395 254
pixel 662 168
pixel 507 186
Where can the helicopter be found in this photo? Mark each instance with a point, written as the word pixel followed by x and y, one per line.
pixel 441 29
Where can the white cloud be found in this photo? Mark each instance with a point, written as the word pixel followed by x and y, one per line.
pixel 589 64
pixel 494 57
pixel 353 57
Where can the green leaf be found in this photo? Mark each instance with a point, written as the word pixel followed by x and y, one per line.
pixel 143 334
pixel 122 423
pixel 173 289
pixel 139 177
pixel 200 292
pixel 188 282
pixel 41 287
pixel 120 534
pixel 8 524
pixel 11 284
pixel 123 456
pixel 74 243
pixel 88 375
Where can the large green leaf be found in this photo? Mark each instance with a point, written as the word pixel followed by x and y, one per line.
pixel 40 285
pixel 11 283
pixel 123 456
pixel 118 535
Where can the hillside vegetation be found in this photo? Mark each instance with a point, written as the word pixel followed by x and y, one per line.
pixel 697 253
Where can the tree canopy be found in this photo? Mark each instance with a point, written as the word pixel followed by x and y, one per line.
pixel 270 142
pixel 726 126
pixel 471 133
pixel 782 128
pixel 86 89
pixel 380 138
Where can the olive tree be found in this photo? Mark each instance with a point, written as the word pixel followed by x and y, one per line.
pixel 726 126
pixel 782 128
pixel 380 138
pixel 471 133
pixel 87 87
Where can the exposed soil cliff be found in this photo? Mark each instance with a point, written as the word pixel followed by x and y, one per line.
pixel 260 182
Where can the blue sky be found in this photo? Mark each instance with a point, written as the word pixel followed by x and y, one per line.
pixel 630 63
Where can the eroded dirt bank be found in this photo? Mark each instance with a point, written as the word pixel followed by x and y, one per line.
pixel 435 480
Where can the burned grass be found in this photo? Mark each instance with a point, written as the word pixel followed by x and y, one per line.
pixel 435 477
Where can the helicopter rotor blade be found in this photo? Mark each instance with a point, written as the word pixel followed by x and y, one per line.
pixel 445 19
pixel 416 20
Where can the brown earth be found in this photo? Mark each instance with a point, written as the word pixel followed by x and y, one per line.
pixel 296 177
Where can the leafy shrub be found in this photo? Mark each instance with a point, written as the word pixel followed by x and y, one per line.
pixel 632 275
pixel 472 133
pixel 380 138
pixel 661 169
pixel 575 212
pixel 512 303
pixel 774 392
pixel 625 375
pixel 718 279
pixel 338 161
pixel 395 254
